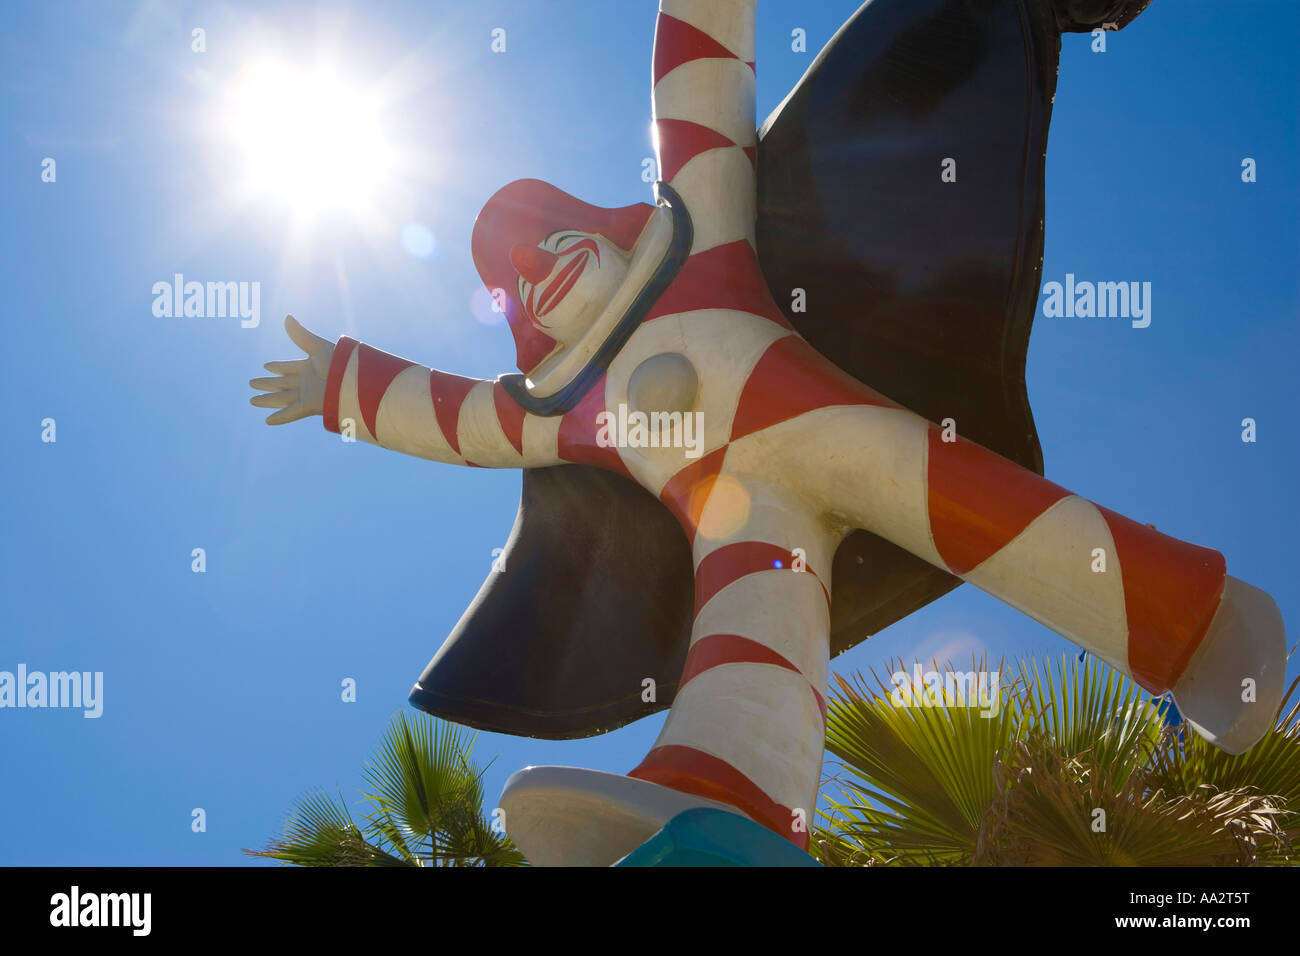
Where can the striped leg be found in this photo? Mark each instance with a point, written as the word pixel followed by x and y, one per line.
pixel 1161 610
pixel 747 726
pixel 1157 608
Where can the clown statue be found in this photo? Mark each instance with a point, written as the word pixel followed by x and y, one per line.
pixel 771 413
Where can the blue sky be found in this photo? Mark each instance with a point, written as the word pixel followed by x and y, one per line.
pixel 327 561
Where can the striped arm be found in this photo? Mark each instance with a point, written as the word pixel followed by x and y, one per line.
pixel 703 105
pixel 389 401
pixel 747 726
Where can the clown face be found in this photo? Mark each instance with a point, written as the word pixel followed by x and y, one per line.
pixel 567 280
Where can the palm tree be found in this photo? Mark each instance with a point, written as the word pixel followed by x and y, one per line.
pixel 1076 767
pixel 426 809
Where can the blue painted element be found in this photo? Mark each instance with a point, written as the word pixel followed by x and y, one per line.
pixel 708 837
pixel 1164 705
pixel 1173 718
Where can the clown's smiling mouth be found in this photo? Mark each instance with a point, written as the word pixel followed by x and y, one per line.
pixel 555 290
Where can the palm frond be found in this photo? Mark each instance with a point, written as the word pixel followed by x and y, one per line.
pixel 1054 809
pixel 1077 767
pixel 425 801
pixel 321 832
pixel 922 769
pixel 1089 707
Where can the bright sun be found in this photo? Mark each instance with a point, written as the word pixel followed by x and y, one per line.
pixel 312 140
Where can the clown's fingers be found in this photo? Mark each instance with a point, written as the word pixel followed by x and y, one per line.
pixel 293 367
pixel 309 342
pixel 290 414
pixel 281 399
pixel 277 384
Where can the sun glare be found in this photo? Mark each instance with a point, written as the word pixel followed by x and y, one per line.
pixel 311 140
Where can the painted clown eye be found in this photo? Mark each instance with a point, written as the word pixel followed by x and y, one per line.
pixel 562 242
pixel 550 276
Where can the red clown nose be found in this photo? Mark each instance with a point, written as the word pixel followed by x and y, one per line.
pixel 533 263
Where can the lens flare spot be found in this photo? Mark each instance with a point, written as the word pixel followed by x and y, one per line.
pixel 418 240
pixel 725 504
pixel 484 308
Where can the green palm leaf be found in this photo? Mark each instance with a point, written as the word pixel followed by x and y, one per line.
pixel 320 832
pixel 1077 767
pixel 425 800
pixel 1057 810
pixel 922 773
pixel 1089 707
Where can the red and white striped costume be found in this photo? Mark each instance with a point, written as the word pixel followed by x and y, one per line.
pixel 796 455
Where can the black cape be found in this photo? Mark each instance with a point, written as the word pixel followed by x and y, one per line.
pixel 923 289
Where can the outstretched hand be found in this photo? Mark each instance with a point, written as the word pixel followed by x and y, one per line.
pixel 298 386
